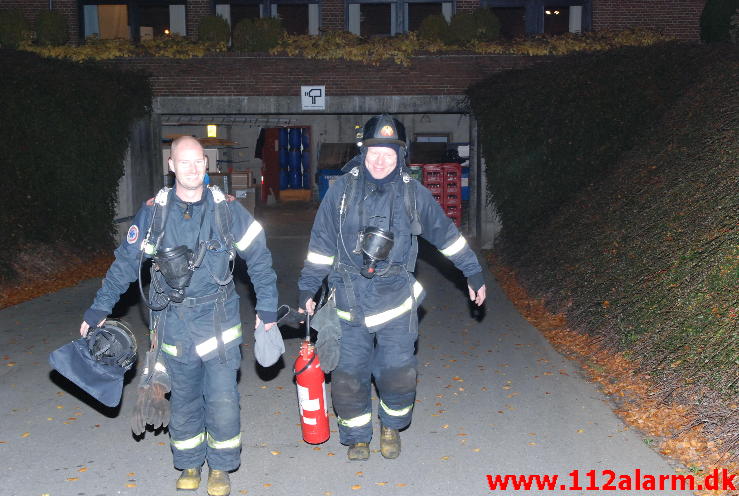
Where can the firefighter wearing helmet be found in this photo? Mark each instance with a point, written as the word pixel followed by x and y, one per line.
pixel 364 240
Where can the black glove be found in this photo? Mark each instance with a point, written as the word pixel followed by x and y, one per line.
pixel 287 316
pixel 94 316
pixel 151 408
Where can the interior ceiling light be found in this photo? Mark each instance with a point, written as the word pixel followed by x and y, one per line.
pixel 548 12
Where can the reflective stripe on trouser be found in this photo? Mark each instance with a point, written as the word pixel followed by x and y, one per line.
pixel 391 361
pixel 209 344
pixel 380 318
pixel 205 419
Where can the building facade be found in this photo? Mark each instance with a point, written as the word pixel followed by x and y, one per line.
pixel 143 19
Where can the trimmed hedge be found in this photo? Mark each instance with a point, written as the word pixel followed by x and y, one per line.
pixel 13 28
pixel 63 138
pixel 257 35
pixel 214 29
pixel 51 28
pixel 548 130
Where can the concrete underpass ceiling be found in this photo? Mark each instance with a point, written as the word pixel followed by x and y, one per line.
pixel 248 120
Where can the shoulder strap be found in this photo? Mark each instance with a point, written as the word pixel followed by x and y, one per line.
pixel 223 217
pixel 350 192
pixel 158 221
pixel 409 198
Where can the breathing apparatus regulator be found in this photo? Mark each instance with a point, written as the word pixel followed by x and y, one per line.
pixel 374 244
pixel 177 265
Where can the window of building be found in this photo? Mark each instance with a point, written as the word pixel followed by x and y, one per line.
pixel 294 17
pixel 417 12
pixel 390 17
pixel 238 10
pixel 541 16
pixel 106 21
pixel 142 20
pixel 512 21
pixel 372 18
pixel 297 16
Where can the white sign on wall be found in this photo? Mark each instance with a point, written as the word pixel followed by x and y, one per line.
pixel 313 97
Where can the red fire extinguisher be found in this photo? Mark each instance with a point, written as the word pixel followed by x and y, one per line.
pixel 311 384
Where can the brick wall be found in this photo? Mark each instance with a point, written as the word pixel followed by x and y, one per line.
pixel 32 8
pixel 679 18
pixel 467 5
pixel 283 76
pixel 196 10
pixel 332 15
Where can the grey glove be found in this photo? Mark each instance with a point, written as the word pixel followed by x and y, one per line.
pixel 152 407
pixel 268 345
pixel 328 345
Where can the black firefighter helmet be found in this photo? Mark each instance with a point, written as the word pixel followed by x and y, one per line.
pixel 382 129
pixel 98 362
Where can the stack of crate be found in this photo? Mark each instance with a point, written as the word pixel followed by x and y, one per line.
pixel 445 183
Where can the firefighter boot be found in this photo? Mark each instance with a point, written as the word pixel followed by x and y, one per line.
pixel 358 451
pixel 189 479
pixel 389 442
pixel 218 483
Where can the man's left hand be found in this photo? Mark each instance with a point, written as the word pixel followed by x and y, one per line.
pixel 267 326
pixel 479 297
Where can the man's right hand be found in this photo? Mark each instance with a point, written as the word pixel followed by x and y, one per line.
pixel 310 306
pixel 86 327
pixel 92 315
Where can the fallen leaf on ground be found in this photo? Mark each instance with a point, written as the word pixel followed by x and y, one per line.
pixel 25 434
pixel 356 487
pixel 72 479
pixel 275 452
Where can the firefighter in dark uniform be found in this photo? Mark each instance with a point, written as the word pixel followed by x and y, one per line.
pixel 364 240
pixel 196 322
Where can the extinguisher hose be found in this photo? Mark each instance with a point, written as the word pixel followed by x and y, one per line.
pixel 313 357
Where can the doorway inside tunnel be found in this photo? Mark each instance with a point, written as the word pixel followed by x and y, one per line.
pixel 266 160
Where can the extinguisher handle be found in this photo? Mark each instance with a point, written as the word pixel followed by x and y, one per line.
pixel 307 326
pixel 310 361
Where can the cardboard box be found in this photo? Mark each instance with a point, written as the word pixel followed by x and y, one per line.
pixel 287 195
pixel 242 179
pixel 246 197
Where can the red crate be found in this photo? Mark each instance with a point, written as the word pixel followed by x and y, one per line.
pixel 436 189
pixel 452 172
pixel 433 173
pixel 457 218
pixel 452 188
pixel 452 199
